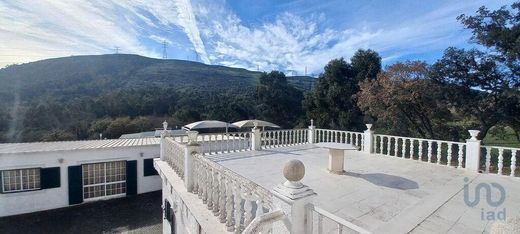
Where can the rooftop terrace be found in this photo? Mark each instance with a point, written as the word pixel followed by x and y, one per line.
pixel 392 184
pixel 379 193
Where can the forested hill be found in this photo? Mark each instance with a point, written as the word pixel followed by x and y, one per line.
pixel 69 97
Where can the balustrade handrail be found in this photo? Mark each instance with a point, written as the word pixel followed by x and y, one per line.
pixel 422 139
pixel 264 219
pixel 339 221
pixel 324 129
pixel 280 130
pixel 499 147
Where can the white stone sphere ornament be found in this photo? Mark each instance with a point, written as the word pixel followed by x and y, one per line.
pixel 294 171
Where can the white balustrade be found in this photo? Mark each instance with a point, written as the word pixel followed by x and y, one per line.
pixel 217 143
pixel 224 192
pixel 174 155
pixel 279 138
pixel 337 136
pixel 501 160
pixel 414 149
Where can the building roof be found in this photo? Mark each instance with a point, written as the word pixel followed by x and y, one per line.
pixel 13 148
pixel 156 133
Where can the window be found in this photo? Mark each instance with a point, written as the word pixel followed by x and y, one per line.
pixel 148 169
pixel 19 180
pixel 104 179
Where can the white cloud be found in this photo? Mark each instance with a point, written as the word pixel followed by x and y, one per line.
pixel 34 30
pixel 293 43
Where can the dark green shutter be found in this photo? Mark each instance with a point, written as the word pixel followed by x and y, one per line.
pixel 75 185
pixel 148 169
pixel 167 209
pixel 50 177
pixel 1 183
pixel 131 177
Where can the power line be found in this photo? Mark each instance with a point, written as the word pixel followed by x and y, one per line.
pixel 164 54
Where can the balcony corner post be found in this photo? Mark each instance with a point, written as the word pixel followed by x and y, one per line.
pixel 473 152
pixel 312 131
pixel 294 198
pixel 190 149
pixel 256 139
pixel 367 138
pixel 164 132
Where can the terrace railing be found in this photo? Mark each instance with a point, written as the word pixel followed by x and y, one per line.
pixel 279 138
pixel 215 143
pixel 448 153
pixel 337 136
pixel 500 160
pixel 174 155
pixel 235 200
pixel 320 221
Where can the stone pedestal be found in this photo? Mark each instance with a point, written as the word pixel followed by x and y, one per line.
pixel 256 139
pixel 293 197
pixel 473 152
pixel 311 132
pixel 336 160
pixel 367 139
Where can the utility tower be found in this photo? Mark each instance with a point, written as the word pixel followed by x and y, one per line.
pixel 164 53
pixel 117 49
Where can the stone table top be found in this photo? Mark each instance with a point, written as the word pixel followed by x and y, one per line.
pixel 340 146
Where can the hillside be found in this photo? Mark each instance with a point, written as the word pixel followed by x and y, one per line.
pixel 57 93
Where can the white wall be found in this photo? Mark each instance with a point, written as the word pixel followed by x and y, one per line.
pixel 31 201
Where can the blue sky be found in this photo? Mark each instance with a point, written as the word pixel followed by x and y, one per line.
pixel 265 35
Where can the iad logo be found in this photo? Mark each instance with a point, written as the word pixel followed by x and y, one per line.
pixel 486 214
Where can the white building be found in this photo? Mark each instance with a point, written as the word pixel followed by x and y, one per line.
pixel 48 175
pixel 391 184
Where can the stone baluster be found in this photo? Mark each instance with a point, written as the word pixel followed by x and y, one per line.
pixel 209 184
pixel 513 162
pixel 380 144
pixel 439 152
pixel 396 146
pixel 500 160
pixel 412 148
pixel 449 157
pixel 230 224
pixel 195 175
pixel 204 183
pixel 429 151
pixel 200 180
pixel 238 209
pixel 403 148
pixel 248 208
pixel 420 150
pixel 461 155
pixel 488 159
pixel 216 192
pixel 222 199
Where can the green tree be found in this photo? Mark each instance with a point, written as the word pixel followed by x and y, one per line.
pixel 333 102
pixel 484 84
pixel 277 101
pixel 366 64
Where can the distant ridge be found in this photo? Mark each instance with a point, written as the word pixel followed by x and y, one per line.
pixel 94 73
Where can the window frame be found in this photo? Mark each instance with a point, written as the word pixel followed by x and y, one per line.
pixel 104 183
pixel 21 190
